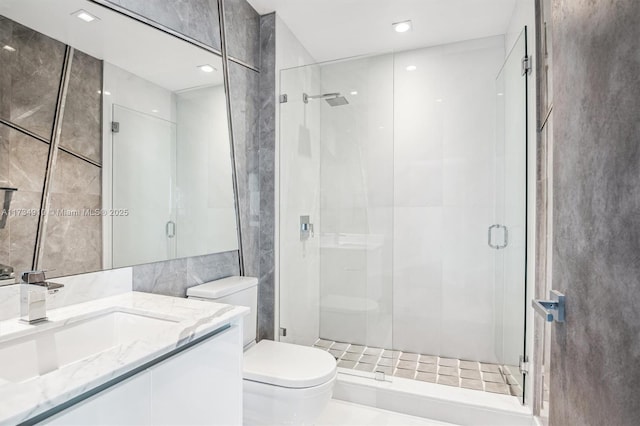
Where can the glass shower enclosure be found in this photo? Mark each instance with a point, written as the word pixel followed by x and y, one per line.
pixel 402 221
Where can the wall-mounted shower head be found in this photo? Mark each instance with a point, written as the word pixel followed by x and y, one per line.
pixel 333 99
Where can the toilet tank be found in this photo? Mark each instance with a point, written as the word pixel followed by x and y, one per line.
pixel 239 291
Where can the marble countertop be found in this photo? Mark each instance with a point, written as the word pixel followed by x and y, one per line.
pixel 190 319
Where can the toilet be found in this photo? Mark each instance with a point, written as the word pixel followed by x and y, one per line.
pixel 283 383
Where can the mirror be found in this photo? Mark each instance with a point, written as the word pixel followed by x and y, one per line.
pixel 114 142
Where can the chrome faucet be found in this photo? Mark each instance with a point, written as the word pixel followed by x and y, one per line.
pixel 33 296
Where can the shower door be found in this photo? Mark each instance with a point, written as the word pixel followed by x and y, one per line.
pixel 336 211
pixel 507 236
pixel 144 178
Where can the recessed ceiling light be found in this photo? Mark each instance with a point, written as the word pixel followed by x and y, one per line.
pixel 154 110
pixel 9 48
pixel 411 68
pixel 84 15
pixel 500 94
pixel 206 68
pixel 354 93
pixel 402 27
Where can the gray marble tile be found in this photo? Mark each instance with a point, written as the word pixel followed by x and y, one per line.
pixel 594 375
pixel 369 359
pixel 75 176
pixel 30 77
pixel 210 267
pixel 23 165
pixel 197 19
pixel 27 162
pixel 81 125
pixel 242 27
pixel 72 243
pixel 169 278
pixel 23 231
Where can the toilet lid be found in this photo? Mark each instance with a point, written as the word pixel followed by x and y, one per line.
pixel 287 365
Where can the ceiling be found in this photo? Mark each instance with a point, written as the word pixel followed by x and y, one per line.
pixel 334 29
pixel 119 40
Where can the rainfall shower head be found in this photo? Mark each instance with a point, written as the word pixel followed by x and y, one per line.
pixel 333 99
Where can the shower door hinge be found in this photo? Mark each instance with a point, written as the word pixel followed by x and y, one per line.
pixel 115 126
pixel 526 65
pixel 283 99
pixel 523 365
pixel 283 332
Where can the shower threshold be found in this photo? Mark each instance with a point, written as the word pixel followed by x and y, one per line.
pixel 472 375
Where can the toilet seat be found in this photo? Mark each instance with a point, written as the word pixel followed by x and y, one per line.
pixel 287 365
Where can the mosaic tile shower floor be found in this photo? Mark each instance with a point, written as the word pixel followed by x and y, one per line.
pixel 428 368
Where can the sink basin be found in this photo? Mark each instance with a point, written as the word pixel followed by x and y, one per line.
pixel 44 351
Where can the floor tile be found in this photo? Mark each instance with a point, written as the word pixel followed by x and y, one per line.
pixel 409 357
pixel 356 349
pixel 448 380
pixel 512 380
pixel 471 384
pixel 407 365
pixel 497 388
pixel 387 362
pixel 407 374
pixel 448 371
pixel 336 353
pixel 469 365
pixel 373 351
pixel 365 367
pixel 369 359
pixel 429 368
pixel 390 354
pixel 493 377
pixel 340 345
pixel 490 368
pixel 346 364
pixel 426 377
pixel 323 343
pixel 348 356
pixel 515 390
pixel 448 362
pixel 428 359
pixel 470 374
pixel 386 370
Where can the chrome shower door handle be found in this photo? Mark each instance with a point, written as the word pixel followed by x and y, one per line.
pixel 490 234
pixel 170 229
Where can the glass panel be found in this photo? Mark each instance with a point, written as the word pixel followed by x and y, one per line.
pixel 144 158
pixel 511 213
pixel 336 168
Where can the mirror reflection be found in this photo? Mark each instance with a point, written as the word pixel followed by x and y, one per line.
pixel 114 142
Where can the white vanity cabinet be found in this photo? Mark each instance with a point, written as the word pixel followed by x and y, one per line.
pixel 201 385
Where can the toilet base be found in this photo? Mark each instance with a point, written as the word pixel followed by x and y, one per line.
pixel 265 404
